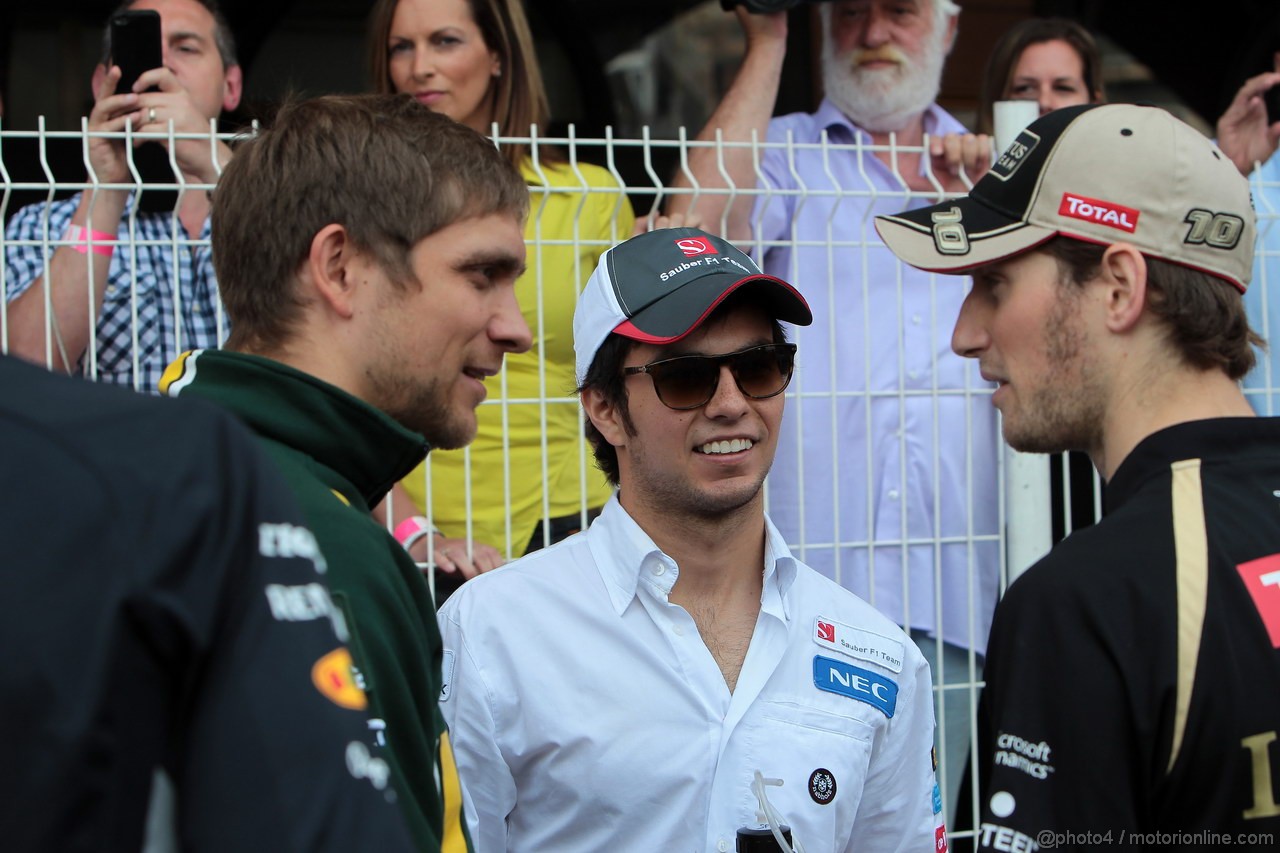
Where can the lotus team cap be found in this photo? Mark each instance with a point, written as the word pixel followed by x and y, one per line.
pixel 1101 174
pixel 660 286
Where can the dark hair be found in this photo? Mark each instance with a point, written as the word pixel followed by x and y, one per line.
pixel 519 95
pixel 606 378
pixel 1203 314
pixel 223 38
pixel 1009 48
pixel 389 171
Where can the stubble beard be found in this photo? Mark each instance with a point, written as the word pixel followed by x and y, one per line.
pixel 677 498
pixel 424 408
pixel 883 101
pixel 1066 411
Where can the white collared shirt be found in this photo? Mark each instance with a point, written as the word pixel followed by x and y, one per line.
pixel 587 714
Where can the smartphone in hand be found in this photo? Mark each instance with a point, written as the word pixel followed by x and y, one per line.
pixel 135 45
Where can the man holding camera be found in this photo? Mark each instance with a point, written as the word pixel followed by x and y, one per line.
pixel 886 475
pixel 122 312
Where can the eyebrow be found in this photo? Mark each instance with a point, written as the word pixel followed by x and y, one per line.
pixel 506 263
pixel 1058 78
pixel 187 35
pixel 447 28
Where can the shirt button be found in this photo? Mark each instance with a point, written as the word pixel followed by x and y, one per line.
pixel 915 318
pixel 659 569
pixel 915 374
pixel 893 494
pixel 678 630
pixel 722 846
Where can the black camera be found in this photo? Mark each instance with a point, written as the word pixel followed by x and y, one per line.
pixel 763 7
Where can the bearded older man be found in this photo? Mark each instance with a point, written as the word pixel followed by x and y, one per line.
pixel 886 471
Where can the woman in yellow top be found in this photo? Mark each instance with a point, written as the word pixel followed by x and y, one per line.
pixel 473 60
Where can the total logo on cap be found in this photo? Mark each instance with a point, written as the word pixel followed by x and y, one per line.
pixel 1099 211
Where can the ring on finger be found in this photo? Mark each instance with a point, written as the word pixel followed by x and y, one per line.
pixel 151 115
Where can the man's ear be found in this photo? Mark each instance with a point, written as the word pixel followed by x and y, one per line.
pixel 332 268
pixel 953 21
pixel 604 416
pixel 1123 274
pixel 232 88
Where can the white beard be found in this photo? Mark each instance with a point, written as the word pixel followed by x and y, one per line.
pixel 883 100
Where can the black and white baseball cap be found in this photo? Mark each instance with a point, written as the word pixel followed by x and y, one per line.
pixel 661 285
pixel 1101 174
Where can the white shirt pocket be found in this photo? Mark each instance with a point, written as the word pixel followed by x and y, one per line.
pixel 821 755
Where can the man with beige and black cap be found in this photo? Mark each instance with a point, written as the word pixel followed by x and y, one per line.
pixel 1133 675
pixel 622 690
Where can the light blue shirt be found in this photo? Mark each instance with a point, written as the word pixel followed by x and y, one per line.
pixel 1262 299
pixel 587 713
pixel 155 271
pixel 889 444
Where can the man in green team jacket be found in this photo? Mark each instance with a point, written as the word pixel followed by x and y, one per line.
pixel 366 250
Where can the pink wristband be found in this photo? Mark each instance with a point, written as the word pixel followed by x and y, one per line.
pixel 80 239
pixel 411 529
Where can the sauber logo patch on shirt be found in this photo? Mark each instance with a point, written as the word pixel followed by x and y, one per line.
pixel 1262 578
pixel 836 676
pixel 694 246
pixel 1096 210
pixel 857 643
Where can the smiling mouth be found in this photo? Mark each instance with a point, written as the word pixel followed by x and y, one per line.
pixel 736 445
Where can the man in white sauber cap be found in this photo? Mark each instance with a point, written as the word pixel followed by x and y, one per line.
pixel 620 690
pixel 1133 675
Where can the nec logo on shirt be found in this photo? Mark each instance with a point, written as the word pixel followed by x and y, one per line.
pixel 1103 212
pixel 694 246
pixel 876 690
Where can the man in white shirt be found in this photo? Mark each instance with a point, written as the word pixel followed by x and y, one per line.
pixel 620 690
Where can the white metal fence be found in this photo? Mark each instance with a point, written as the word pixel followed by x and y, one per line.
pixel 890 476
